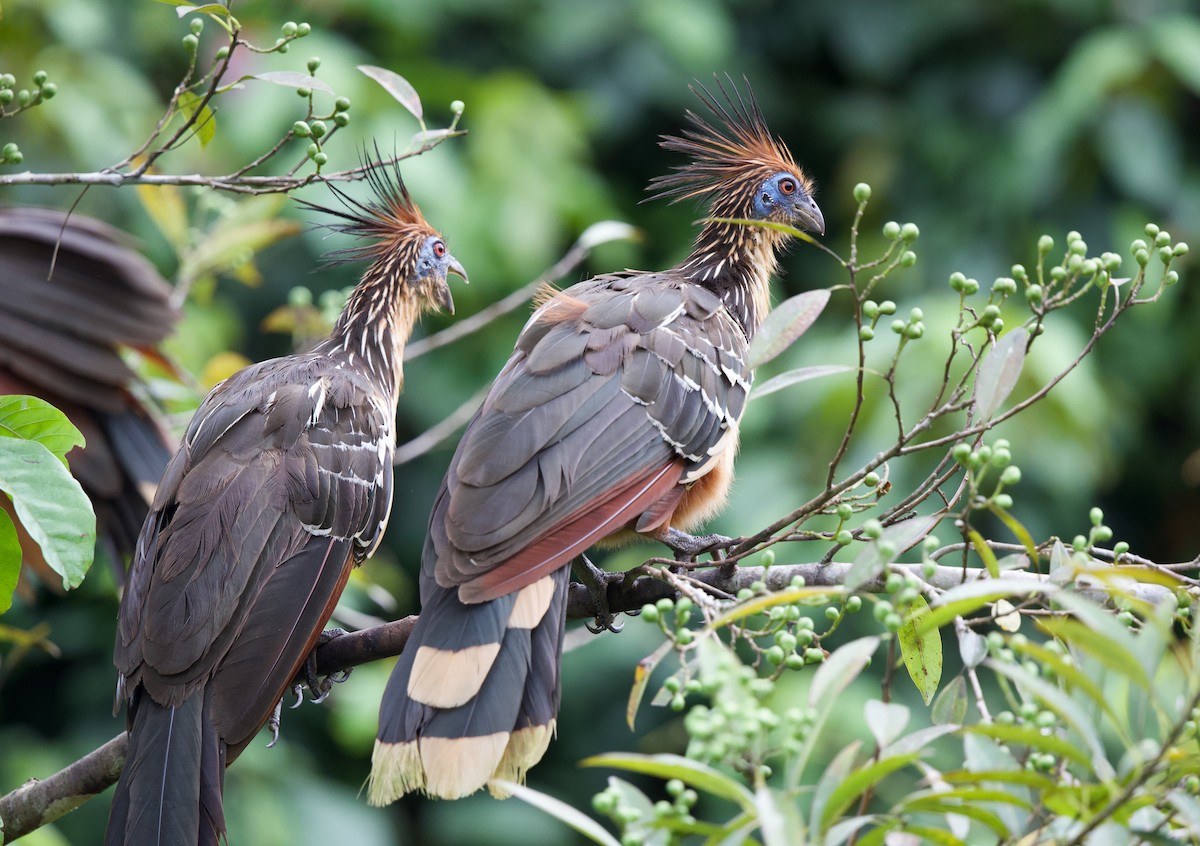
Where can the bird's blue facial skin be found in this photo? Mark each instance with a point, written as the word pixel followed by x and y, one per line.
pixel 433 258
pixel 782 198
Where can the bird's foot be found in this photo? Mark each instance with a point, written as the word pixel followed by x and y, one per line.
pixel 686 547
pixel 319 686
pixel 273 723
pixel 597 581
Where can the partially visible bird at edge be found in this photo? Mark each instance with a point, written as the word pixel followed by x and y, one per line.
pixel 617 414
pixel 282 484
pixel 77 296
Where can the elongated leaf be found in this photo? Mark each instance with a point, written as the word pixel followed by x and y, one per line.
pixel 886 720
pixel 50 505
pixel 950 706
pixel 932 805
pixel 971 794
pixel 794 377
pixel 292 79
pixel 985 552
pixel 641 677
pixel 10 560
pixel 842 830
pixel 785 323
pixel 916 741
pixel 561 811
pixel 1031 737
pixel 665 766
pixel 1018 529
pixel 1066 708
pixel 759 604
pixel 631 796
pixel 206 122
pixel 184 8
pixel 858 782
pixel 399 87
pixel 970 597
pixel 834 774
pixel 1068 672
pixel 1100 636
pixel 934 836
pixel 840 669
pixel 999 371
pixel 166 207
pixel 922 651
pixel 1025 778
pixel 771 820
pixel 34 419
pixel 972 646
pixel 765 224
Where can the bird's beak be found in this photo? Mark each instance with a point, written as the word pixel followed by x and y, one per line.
pixel 444 299
pixel 808 215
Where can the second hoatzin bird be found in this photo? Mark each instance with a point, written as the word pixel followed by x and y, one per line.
pixel 283 483
pixel 617 411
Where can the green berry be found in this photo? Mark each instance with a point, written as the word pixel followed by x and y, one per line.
pixel 1096 515
pixel 887 307
pixel 49 90
pixel 7 80
pixel 775 655
pixel 1001 457
pixel 304 92
pixel 794 662
pixel 665 604
pixel 6 96
pixel 909 232
pixel 805 624
pixel 785 640
pixel 970 287
pixel 862 192
pixel 961 453
pixel 1033 294
pixel 313 64
pixel 1004 286
pixel 1141 257
pixel 845 511
pixel 1079 543
pixel 1011 475
pixel 341 104
pixel 318 128
pixel 289 29
pixel 1045 244
pixel 1003 501
pixel 1151 229
pixel 843 537
pixel 1160 240
pixel 898 326
pixel 870 309
pixel 957 281
pixel 650 613
pixel 9 150
pixel 915 331
pixel 1120 548
pixel 1180 249
pixel 908 258
pixel 197 27
pixel 303 30
pixel 872 528
pixel 223 53
pixel 313 149
pixel 341 119
pixel 39 78
pixel 814 656
pixel 1018 272
pixel 684 636
pixel 190 43
pixel 832 613
pixel 301 129
pixel 891 230
pixel 320 159
pixel 1102 534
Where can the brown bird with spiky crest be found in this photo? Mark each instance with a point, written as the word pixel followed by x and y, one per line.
pixel 618 411
pixel 282 484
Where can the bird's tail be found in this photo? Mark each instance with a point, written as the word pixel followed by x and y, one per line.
pixel 170 790
pixel 475 694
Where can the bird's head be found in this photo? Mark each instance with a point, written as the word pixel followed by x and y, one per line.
pixel 407 255
pixel 434 266
pixel 739 167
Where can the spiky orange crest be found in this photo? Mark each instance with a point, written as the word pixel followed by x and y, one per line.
pixel 728 162
pixel 390 224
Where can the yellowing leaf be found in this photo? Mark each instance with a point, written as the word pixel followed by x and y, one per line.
pixel 221 366
pixel 166 207
pixel 922 651
pixel 1006 615
pixel 205 121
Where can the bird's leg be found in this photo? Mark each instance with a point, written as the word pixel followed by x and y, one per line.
pixel 273 723
pixel 596 581
pixel 686 547
pixel 319 686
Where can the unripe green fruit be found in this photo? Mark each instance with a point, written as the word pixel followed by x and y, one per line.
pixel 1005 286
pixel 909 232
pixel 49 90
pixel 853 603
pixel 775 655
pixel 7 80
pixel 870 309
pixel 304 92
pixel 1170 279
pixel 1141 257
pixel 1001 457
pixel 16 158
pixel 1018 272
pixel 845 511
pixel 223 53
pixel 1011 475
pixel 891 230
pixel 190 43
pixel 970 287
pixel 320 159
pixel 6 96
pixel 887 307
pixel 289 29
pixel 23 97
pixel 1165 255
pixel 915 331
pixel 318 128
pixel 1045 244
pixel 341 104
pixel 843 537
pixel 197 26
pixel 957 281
pixel 898 326
pixel 650 613
pixel 1102 534
pixel 303 30
pixel 997 326
pixel 313 149
pixel 871 479
pixel 1181 249
pixel 908 258
pixel 961 453
pixel 1003 501
pixel 1160 240
pixel 300 129
pixel 1033 294
pixel 862 192
pixel 341 119
pixel 39 78
pixel 313 64
pixel 866 333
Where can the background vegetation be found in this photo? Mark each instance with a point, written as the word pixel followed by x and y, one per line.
pixel 986 124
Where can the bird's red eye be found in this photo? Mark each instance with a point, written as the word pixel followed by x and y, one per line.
pixel 787 186
pixel 439 249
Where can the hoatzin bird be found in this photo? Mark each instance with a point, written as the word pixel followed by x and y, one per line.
pixel 74 294
pixel 616 414
pixel 283 482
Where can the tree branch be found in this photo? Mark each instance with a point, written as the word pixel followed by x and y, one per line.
pixel 38 803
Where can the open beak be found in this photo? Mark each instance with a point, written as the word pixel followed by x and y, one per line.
pixel 444 300
pixel 808 215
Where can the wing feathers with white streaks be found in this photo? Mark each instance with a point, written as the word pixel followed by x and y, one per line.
pixel 629 376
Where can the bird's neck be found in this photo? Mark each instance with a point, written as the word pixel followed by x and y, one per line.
pixel 736 262
pixel 372 330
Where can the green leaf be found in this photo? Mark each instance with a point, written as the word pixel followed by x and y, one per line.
pixel 766 224
pixel 291 79
pixel 785 323
pixel 934 836
pixel 1099 635
pixel 950 706
pixel 772 821
pixel 1068 672
pixel 641 677
pixel 561 811
pixel 184 8
pixel 1031 737
pixel 758 604
pixel 10 560
pixel 1063 705
pixel 970 597
pixel 932 805
pixel 922 651
pixel 34 419
pixel 972 646
pixel 51 506
pixel 840 669
pixel 1018 529
pixel 999 371
pixel 667 767
pixel 795 377
pixel 858 782
pixel 1024 778
pixel 835 772
pixel 205 123
pixel 985 552
pixel 399 87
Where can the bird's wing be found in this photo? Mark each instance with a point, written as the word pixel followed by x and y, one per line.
pixel 283 480
pixel 621 391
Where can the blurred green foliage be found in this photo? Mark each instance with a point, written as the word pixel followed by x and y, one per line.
pixel 985 123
